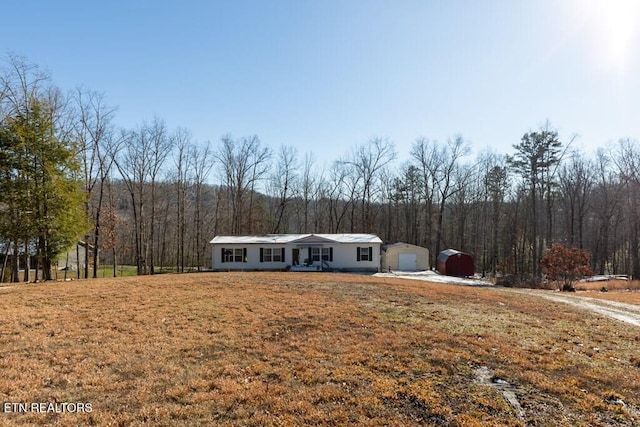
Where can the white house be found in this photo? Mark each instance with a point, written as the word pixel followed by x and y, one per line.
pixel 298 252
pixel 74 258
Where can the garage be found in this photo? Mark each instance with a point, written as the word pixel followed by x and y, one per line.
pixel 404 257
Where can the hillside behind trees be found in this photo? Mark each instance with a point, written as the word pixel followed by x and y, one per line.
pixel 153 197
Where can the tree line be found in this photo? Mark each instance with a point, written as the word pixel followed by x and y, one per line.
pixel 153 197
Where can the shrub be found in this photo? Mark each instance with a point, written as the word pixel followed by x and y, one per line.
pixel 565 265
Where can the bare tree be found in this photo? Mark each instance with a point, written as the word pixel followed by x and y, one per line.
pixel 628 163
pixel 139 156
pixel 259 157
pixel 426 157
pixel 496 184
pixel 181 141
pixel 576 182
pixel 21 84
pixel 282 182
pixel 201 159
pixel 305 191
pixel 339 196
pixel 132 159
pixel 443 176
pixel 93 131
pixel 605 201
pixel 407 192
pixel 367 162
pixel 160 149
pixel 466 193
pixel 320 201
pixel 388 225
pixel 243 164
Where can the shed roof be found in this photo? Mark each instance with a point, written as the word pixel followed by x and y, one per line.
pixel 293 238
pixel 442 256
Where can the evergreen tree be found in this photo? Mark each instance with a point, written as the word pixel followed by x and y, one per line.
pixel 42 195
pixel 537 155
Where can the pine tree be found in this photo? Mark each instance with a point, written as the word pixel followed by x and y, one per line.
pixel 537 154
pixel 42 193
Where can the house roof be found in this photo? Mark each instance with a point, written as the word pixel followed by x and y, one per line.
pixel 296 238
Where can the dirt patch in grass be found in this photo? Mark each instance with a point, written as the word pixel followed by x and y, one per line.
pixel 310 349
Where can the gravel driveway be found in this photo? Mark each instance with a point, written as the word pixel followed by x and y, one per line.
pixel 627 313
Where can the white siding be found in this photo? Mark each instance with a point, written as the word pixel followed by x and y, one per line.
pixel 253 258
pixel 70 259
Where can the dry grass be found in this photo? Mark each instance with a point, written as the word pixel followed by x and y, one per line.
pixel 611 285
pixel 623 290
pixel 309 349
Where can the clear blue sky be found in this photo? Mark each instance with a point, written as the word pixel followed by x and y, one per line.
pixel 325 75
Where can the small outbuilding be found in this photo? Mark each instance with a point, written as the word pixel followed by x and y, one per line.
pixel 74 259
pixel 404 257
pixel 455 263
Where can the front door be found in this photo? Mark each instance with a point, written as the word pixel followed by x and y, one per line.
pixel 295 256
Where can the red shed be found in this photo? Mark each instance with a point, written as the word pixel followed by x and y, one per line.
pixel 455 263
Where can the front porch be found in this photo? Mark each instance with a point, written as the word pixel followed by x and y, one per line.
pixel 311 257
pixel 310 265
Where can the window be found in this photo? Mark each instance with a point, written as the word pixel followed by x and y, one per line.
pixel 234 255
pixel 324 254
pixel 271 254
pixel 365 254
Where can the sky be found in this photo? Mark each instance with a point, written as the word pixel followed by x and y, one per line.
pixel 326 75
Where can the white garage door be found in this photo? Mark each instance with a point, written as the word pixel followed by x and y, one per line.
pixel 407 262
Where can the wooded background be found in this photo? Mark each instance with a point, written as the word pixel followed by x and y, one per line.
pixel 154 197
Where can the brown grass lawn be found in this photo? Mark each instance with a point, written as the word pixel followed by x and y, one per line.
pixel 616 285
pixel 625 291
pixel 310 349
